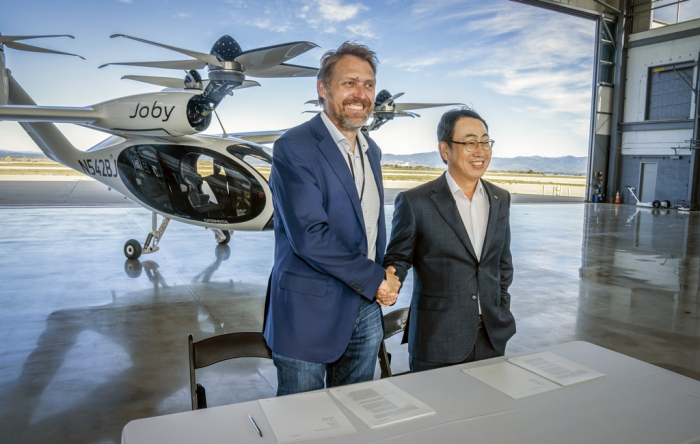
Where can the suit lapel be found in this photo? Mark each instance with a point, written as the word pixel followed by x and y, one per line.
pixel 494 206
pixel 335 159
pixel 447 207
pixel 374 162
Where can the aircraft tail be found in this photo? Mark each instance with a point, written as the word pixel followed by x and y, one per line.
pixel 45 134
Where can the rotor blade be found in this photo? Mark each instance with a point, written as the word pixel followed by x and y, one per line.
pixel 12 38
pixel 260 136
pixel 247 84
pixel 204 57
pixel 167 82
pixel 407 106
pixel 312 102
pixel 311 111
pixel 269 56
pixel 57 114
pixel 172 64
pixel 406 113
pixel 23 47
pixel 283 70
pixel 391 99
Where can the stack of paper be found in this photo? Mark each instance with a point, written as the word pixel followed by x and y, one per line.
pixel 305 416
pixel 380 403
pixel 532 374
pixel 555 368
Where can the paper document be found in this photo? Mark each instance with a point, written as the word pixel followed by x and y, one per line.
pixel 305 416
pixel 511 380
pixel 380 403
pixel 555 368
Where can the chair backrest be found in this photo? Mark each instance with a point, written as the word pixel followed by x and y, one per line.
pixel 220 348
pixel 394 322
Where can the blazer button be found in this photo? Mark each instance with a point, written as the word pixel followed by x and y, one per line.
pixel 474 297
pixel 479 267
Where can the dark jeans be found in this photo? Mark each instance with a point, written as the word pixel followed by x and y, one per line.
pixel 482 350
pixel 355 365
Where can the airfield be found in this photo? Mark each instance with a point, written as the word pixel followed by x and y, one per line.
pixel 93 341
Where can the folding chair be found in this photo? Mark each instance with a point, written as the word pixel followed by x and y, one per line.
pixel 394 322
pixel 220 348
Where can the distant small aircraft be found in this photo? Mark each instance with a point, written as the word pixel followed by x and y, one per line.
pixel 385 109
pixel 155 155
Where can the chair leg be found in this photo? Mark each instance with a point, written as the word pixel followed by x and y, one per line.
pixel 384 361
pixel 201 397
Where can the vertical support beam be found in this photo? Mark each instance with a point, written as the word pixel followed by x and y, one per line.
pixel 694 173
pixel 594 114
pixel 615 156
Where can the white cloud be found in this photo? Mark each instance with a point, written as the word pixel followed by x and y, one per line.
pixel 362 30
pixel 182 15
pixel 544 58
pixel 127 1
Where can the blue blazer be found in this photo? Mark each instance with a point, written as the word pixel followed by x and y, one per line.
pixel 321 268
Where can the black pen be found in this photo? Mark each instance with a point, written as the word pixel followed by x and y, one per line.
pixel 255 425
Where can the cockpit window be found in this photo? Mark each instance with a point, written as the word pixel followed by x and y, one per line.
pixel 194 183
pixel 254 155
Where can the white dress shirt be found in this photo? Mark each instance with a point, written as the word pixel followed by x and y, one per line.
pixel 474 214
pixel 370 199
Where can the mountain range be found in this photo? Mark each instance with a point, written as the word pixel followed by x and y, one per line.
pixel 551 165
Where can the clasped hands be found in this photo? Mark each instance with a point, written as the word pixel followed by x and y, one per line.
pixel 389 289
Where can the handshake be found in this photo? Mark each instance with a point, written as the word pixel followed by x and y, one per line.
pixel 389 289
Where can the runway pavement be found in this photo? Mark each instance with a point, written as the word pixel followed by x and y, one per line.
pixel 83 191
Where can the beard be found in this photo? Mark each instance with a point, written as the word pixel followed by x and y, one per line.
pixel 350 122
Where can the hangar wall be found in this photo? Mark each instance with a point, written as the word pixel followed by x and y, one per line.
pixel 659 110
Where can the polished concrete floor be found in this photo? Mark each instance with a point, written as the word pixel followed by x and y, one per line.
pixel 91 341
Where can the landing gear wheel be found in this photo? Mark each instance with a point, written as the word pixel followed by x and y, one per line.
pixel 132 249
pixel 656 204
pixel 227 238
pixel 667 204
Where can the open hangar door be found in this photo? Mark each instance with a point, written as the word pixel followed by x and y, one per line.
pixel 644 106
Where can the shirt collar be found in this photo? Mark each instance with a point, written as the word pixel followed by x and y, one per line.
pixel 454 188
pixel 340 139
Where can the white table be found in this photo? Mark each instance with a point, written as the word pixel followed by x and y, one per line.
pixel 635 402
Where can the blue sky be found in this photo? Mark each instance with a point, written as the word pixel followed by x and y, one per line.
pixel 528 71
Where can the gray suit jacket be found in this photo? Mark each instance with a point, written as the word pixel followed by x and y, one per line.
pixel 428 234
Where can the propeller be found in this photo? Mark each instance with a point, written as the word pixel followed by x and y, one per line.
pixel 11 42
pixel 228 67
pixel 227 55
pixel 385 109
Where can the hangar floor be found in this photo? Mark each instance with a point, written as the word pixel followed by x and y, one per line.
pixel 91 341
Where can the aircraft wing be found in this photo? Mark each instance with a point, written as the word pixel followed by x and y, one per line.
pixel 260 136
pixel 56 114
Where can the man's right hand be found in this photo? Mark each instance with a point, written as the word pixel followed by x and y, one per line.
pixel 391 282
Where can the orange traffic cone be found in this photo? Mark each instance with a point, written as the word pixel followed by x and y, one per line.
pixel 617 197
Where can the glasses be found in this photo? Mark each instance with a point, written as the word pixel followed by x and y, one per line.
pixel 471 145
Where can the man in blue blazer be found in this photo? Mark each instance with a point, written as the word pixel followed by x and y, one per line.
pixel 323 320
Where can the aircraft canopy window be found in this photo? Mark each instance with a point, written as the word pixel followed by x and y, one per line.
pixel 192 182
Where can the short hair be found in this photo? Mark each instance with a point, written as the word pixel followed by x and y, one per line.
pixel 331 58
pixel 446 127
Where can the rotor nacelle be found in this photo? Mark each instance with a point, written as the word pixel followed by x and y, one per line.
pixel 153 114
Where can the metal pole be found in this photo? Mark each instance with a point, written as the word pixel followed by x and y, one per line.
pixel 615 156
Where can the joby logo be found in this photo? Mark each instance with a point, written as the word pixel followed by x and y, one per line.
pixel 156 111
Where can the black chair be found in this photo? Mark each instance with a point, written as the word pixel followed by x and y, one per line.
pixel 220 348
pixel 394 322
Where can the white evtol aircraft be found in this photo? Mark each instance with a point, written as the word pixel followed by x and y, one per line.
pixel 153 154
pixel 385 109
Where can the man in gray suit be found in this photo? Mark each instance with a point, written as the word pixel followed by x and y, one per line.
pixel 455 233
